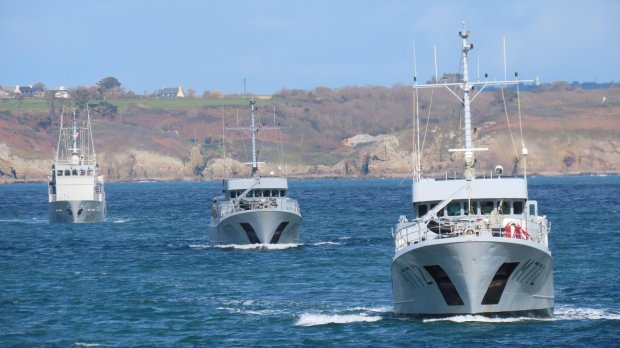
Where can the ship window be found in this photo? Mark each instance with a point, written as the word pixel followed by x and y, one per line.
pixel 59 172
pixel 67 172
pixel 250 193
pixel 233 194
pixel 504 207
pixel 258 193
pixel 439 213
pixel 422 210
pixel 282 193
pixel 486 207
pixel 266 193
pixel 517 207
pixel 454 208
pixel 275 193
pixel 466 210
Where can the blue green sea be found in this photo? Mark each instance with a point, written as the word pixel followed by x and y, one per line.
pixel 148 276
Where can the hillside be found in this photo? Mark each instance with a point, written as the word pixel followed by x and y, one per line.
pixel 567 131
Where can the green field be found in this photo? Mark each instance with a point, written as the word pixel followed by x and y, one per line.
pixel 40 105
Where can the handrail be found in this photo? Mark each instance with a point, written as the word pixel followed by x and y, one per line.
pixel 225 208
pixel 535 229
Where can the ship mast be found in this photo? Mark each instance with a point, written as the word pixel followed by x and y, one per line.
pixel 253 131
pixel 469 150
pixel 468 87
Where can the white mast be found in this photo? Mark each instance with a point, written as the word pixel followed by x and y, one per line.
pixel 466 99
pixel 253 131
pixel 469 154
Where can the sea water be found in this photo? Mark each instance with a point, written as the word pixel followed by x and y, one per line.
pixel 148 276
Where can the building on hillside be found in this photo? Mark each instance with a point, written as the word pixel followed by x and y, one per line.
pixel 29 91
pixel 62 93
pixel 174 92
pixel 5 94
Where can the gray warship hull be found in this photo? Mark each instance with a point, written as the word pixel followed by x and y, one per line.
pixel 477 275
pixel 77 211
pixel 265 226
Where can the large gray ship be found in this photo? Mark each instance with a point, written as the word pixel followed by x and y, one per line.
pixel 255 210
pixel 477 243
pixel 75 188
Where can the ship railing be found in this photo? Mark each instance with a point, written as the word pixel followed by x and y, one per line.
pixel 535 229
pixel 287 204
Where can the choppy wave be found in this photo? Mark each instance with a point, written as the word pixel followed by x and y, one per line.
pixel 560 314
pixel 311 319
pixel 26 221
pixel 570 313
pixel 199 246
pixel 82 344
pixel 325 243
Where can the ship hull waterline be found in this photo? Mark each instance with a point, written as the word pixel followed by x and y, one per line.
pixel 265 226
pixel 477 276
pixel 76 211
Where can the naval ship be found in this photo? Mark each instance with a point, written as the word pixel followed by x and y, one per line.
pixel 75 187
pixel 254 210
pixel 477 243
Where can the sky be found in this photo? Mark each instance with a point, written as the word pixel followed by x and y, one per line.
pixel 262 46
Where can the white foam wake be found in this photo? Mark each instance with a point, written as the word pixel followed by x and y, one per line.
pixel 309 319
pixel 560 313
pixel 477 319
pixel 258 246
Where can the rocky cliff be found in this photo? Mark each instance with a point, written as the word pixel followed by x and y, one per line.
pixel 567 132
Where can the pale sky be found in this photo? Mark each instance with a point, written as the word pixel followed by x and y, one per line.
pixel 274 44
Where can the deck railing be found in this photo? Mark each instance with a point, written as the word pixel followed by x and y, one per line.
pixel 534 229
pixel 226 208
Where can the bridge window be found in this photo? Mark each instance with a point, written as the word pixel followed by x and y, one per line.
pixel 504 207
pixel 467 210
pixel 275 193
pixel 233 194
pixel 250 194
pixel 517 207
pixel 258 193
pixel 454 208
pixel 486 207
pixel 422 209
pixel 266 193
